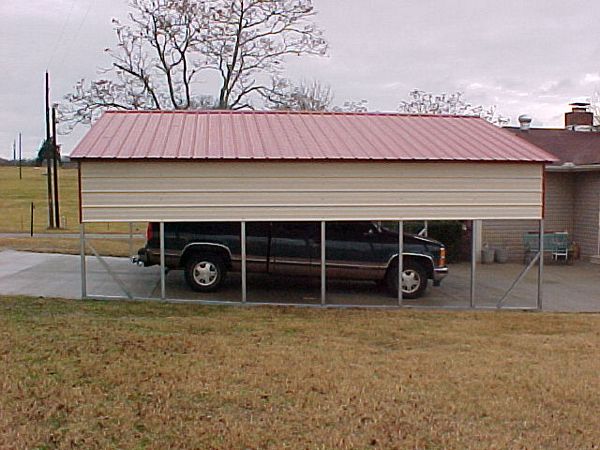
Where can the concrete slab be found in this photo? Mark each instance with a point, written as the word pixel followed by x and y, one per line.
pixel 573 288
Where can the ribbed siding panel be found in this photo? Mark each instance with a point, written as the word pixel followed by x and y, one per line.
pixel 173 191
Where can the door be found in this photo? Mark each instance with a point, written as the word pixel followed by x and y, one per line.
pixel 352 249
pixel 257 246
pixel 291 247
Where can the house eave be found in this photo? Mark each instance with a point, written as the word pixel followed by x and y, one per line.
pixel 574 168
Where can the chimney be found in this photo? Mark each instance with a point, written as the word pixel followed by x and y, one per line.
pixel 580 118
pixel 524 122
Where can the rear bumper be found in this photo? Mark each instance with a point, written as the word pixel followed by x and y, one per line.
pixel 149 257
pixel 141 259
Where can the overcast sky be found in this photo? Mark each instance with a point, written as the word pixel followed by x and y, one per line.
pixel 532 56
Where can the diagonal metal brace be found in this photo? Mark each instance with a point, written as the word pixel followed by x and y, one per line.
pixel 110 272
pixel 519 279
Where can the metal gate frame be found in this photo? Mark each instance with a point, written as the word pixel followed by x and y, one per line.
pixel 538 258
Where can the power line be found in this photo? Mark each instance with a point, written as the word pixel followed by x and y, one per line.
pixel 62 33
pixel 73 39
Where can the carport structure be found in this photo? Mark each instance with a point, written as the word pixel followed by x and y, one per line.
pixel 248 166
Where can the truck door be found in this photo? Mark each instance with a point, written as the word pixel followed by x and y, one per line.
pixel 351 248
pixel 291 247
pixel 257 246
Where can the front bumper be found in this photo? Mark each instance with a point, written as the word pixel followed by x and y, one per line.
pixel 439 273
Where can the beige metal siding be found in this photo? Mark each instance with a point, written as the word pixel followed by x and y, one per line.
pixel 179 191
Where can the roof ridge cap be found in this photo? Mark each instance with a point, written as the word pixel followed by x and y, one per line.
pixel 274 112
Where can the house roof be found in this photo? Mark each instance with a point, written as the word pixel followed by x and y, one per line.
pixel 577 147
pixel 251 135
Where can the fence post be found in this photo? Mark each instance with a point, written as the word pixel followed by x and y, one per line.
pixel 474 239
pixel 82 262
pixel 323 264
pixel 243 243
pixel 400 259
pixel 540 287
pixel 163 282
pixel 31 221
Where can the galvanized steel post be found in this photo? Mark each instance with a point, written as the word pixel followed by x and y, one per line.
pixel 400 259
pixel 83 264
pixel 130 239
pixel 541 269
pixel 323 265
pixel 163 284
pixel 243 239
pixel 473 264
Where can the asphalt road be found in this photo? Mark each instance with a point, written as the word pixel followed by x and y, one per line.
pixel 567 288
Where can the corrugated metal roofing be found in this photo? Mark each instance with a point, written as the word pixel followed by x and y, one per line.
pixel 252 135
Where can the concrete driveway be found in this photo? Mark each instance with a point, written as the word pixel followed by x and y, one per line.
pixel 567 288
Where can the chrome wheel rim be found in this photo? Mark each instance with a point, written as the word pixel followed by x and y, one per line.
pixel 411 280
pixel 205 273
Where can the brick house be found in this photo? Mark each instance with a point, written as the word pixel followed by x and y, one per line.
pixel 572 190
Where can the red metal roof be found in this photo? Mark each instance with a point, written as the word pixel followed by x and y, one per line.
pixel 252 135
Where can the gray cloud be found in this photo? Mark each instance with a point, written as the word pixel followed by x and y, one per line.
pixel 532 57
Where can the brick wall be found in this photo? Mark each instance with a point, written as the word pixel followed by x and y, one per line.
pixel 587 201
pixel 560 191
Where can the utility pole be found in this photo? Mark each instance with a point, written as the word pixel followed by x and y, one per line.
pixel 55 156
pixel 20 156
pixel 14 150
pixel 48 165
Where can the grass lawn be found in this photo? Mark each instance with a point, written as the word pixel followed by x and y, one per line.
pixel 17 196
pixel 143 375
pixel 68 246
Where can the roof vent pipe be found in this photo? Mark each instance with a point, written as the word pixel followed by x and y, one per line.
pixel 524 122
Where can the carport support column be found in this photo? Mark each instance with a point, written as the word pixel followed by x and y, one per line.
pixel 474 247
pixel 323 265
pixel 130 239
pixel 83 263
pixel 243 239
pixel 163 285
pixel 400 259
pixel 541 268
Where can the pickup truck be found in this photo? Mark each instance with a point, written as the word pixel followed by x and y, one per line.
pixel 206 251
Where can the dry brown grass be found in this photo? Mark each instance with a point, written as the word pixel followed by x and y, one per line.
pixel 125 375
pixel 105 247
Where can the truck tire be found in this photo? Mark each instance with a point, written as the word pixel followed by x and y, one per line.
pixel 414 280
pixel 205 273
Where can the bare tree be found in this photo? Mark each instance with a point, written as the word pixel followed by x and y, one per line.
pixel 353 106
pixel 157 58
pixel 595 108
pixel 313 96
pixel 249 39
pixel 421 102
pixel 166 45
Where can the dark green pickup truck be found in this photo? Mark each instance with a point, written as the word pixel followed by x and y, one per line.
pixel 355 250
